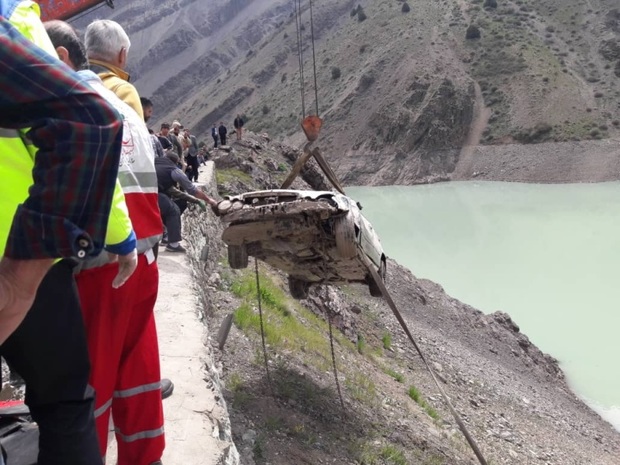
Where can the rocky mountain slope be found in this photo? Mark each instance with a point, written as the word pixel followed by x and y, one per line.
pixel 399 85
pixel 513 398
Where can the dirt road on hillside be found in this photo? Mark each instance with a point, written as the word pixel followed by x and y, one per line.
pixel 482 114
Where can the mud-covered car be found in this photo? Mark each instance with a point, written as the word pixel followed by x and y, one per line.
pixel 313 236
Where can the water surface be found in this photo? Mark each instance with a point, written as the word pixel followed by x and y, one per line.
pixel 549 255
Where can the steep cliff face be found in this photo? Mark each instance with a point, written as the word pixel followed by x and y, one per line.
pixel 394 85
pixel 416 140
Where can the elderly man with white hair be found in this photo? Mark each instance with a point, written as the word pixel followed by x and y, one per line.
pixel 120 322
pixel 107 45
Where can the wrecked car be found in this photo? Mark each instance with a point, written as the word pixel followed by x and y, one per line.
pixel 313 236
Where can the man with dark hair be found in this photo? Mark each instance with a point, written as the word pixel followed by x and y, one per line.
pixel 163 138
pixel 238 123
pixel 222 132
pixel 55 199
pixel 147 109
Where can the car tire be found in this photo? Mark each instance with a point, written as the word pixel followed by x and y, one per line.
pixel 373 287
pixel 344 232
pixel 237 256
pixel 298 288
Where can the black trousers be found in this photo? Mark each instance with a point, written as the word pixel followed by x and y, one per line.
pixel 222 139
pixel 48 350
pixel 214 142
pixel 193 162
pixel 171 217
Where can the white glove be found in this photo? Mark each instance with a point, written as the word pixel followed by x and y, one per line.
pixel 127 264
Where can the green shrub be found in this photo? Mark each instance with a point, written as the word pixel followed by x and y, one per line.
pixel 392 455
pixel 361 344
pixel 394 374
pixel 414 393
pixel 387 341
pixel 335 72
pixel 361 15
pixel 405 8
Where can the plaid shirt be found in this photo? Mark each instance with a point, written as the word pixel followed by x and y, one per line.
pixel 78 136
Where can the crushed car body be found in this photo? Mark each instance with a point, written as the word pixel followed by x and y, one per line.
pixel 313 236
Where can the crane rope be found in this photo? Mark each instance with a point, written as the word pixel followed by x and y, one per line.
pixel 300 55
pixel 388 299
pixel 316 90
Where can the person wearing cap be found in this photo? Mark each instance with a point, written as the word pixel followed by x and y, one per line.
pixel 174 137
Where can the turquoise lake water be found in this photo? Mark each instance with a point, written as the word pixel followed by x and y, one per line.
pixel 549 255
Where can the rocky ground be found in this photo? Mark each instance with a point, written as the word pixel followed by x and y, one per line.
pixel 550 162
pixel 513 398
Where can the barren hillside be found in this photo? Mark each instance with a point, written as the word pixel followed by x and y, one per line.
pixel 396 81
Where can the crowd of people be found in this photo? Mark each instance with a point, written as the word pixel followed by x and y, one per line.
pixel 88 193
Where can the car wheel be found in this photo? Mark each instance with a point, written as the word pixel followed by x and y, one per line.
pixel 344 232
pixel 298 288
pixel 373 287
pixel 237 256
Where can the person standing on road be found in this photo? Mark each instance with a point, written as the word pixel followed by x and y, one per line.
pixel 109 62
pixel 222 131
pixel 214 134
pixel 192 155
pixel 238 123
pixel 55 199
pixel 122 334
pixel 164 140
pixel 147 109
pixel 175 139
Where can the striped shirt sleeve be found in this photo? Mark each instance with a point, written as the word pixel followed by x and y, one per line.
pixel 78 137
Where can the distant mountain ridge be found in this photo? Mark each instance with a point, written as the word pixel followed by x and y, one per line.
pixel 399 90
